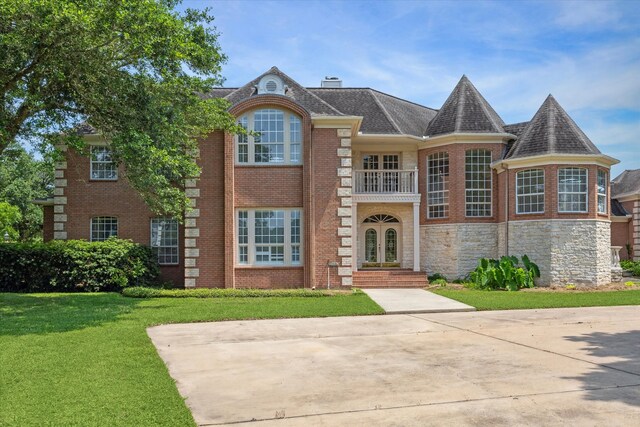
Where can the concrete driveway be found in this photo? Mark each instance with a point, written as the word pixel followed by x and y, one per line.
pixel 528 367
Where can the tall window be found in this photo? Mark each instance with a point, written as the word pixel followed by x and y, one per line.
pixel 103 227
pixel 602 191
pixel 164 240
pixel 269 237
pixel 102 165
pixel 275 138
pixel 438 185
pixel 530 191
pixel 572 190
pixel 478 183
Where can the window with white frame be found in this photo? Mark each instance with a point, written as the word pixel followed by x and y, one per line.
pixel 530 191
pixel 572 190
pixel 164 240
pixel 274 137
pixel 103 227
pixel 602 191
pixel 102 164
pixel 478 182
pixel 438 185
pixel 269 236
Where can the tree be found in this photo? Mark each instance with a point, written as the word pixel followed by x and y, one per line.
pixel 23 179
pixel 9 216
pixel 133 69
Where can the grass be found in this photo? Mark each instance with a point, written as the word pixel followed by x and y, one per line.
pixel 86 360
pixel 142 292
pixel 501 300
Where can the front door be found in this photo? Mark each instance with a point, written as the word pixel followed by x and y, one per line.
pixel 381 242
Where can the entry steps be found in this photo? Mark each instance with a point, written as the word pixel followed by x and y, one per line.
pixel 396 278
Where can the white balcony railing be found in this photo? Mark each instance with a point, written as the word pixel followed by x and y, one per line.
pixel 386 181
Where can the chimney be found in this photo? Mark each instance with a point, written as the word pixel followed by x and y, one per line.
pixel 331 82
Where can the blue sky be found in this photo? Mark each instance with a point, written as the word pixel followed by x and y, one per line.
pixel 586 53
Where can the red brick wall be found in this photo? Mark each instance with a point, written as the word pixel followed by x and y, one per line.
pixel 87 198
pixel 620 237
pixel 47 225
pixel 212 212
pixel 457 208
pixel 326 203
pixel 264 278
pixel 264 186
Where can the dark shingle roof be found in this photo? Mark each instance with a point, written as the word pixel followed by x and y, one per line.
pixel 552 131
pixel 465 110
pixel 627 182
pixel 516 128
pixel 382 113
pixel 299 94
pixel 617 209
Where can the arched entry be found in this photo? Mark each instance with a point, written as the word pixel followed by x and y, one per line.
pixel 381 241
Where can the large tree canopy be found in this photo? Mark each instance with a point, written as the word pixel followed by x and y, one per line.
pixel 132 69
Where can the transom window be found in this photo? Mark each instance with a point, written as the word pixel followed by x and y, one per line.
pixel 530 191
pixel 102 164
pixel 380 219
pixel 602 191
pixel 478 181
pixel 164 240
pixel 103 227
pixel 269 237
pixel 276 138
pixel 438 185
pixel 572 190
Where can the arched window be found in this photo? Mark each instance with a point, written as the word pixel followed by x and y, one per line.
pixel 275 137
pixel 530 191
pixel 380 219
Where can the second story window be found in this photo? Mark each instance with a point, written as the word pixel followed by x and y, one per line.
pixel 477 167
pixel 102 165
pixel 276 138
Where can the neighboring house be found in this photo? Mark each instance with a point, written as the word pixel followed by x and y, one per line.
pixel 353 186
pixel 625 213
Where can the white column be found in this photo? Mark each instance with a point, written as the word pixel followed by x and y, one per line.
pixel 354 236
pixel 416 236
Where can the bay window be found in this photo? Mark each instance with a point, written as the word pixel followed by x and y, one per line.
pixel 572 190
pixel 478 179
pixel 530 191
pixel 438 185
pixel 602 191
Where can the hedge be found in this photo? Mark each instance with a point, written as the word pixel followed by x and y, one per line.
pixel 142 292
pixel 76 266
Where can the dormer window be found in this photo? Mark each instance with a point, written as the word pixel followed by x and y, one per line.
pixel 271 84
pixel 275 138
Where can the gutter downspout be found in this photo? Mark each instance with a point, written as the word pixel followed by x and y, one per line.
pixel 506 213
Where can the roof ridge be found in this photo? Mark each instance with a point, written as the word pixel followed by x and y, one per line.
pixel 484 104
pixel 462 99
pixel 551 117
pixel 386 113
pixel 402 99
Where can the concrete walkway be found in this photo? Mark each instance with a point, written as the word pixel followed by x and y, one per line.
pixel 560 367
pixel 406 301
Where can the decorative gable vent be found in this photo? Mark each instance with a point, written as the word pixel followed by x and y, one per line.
pixel 271 84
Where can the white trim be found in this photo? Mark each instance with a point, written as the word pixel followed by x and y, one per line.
pixel 555 159
pixel 177 246
pixel 386 198
pixel 586 192
pixel 627 197
pixel 616 218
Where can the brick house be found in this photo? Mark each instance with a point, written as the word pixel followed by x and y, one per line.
pixel 625 214
pixel 351 186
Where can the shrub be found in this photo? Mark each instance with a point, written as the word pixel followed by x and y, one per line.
pixel 142 292
pixel 441 282
pixel 504 274
pixel 632 266
pixel 76 266
pixel 436 276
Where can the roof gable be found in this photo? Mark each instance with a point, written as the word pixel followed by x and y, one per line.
pixel 552 131
pixel 465 111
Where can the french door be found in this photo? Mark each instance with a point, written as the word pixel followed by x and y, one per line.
pixel 381 244
pixel 380 175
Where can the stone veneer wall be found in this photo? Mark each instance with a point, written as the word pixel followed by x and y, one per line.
pixel 60 199
pixel 453 250
pixel 567 251
pixel 404 212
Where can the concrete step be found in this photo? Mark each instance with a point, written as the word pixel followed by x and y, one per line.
pixel 403 278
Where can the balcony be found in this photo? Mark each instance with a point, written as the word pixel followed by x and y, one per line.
pixel 386 185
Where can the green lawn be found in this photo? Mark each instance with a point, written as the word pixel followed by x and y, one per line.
pixel 502 300
pixel 86 360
